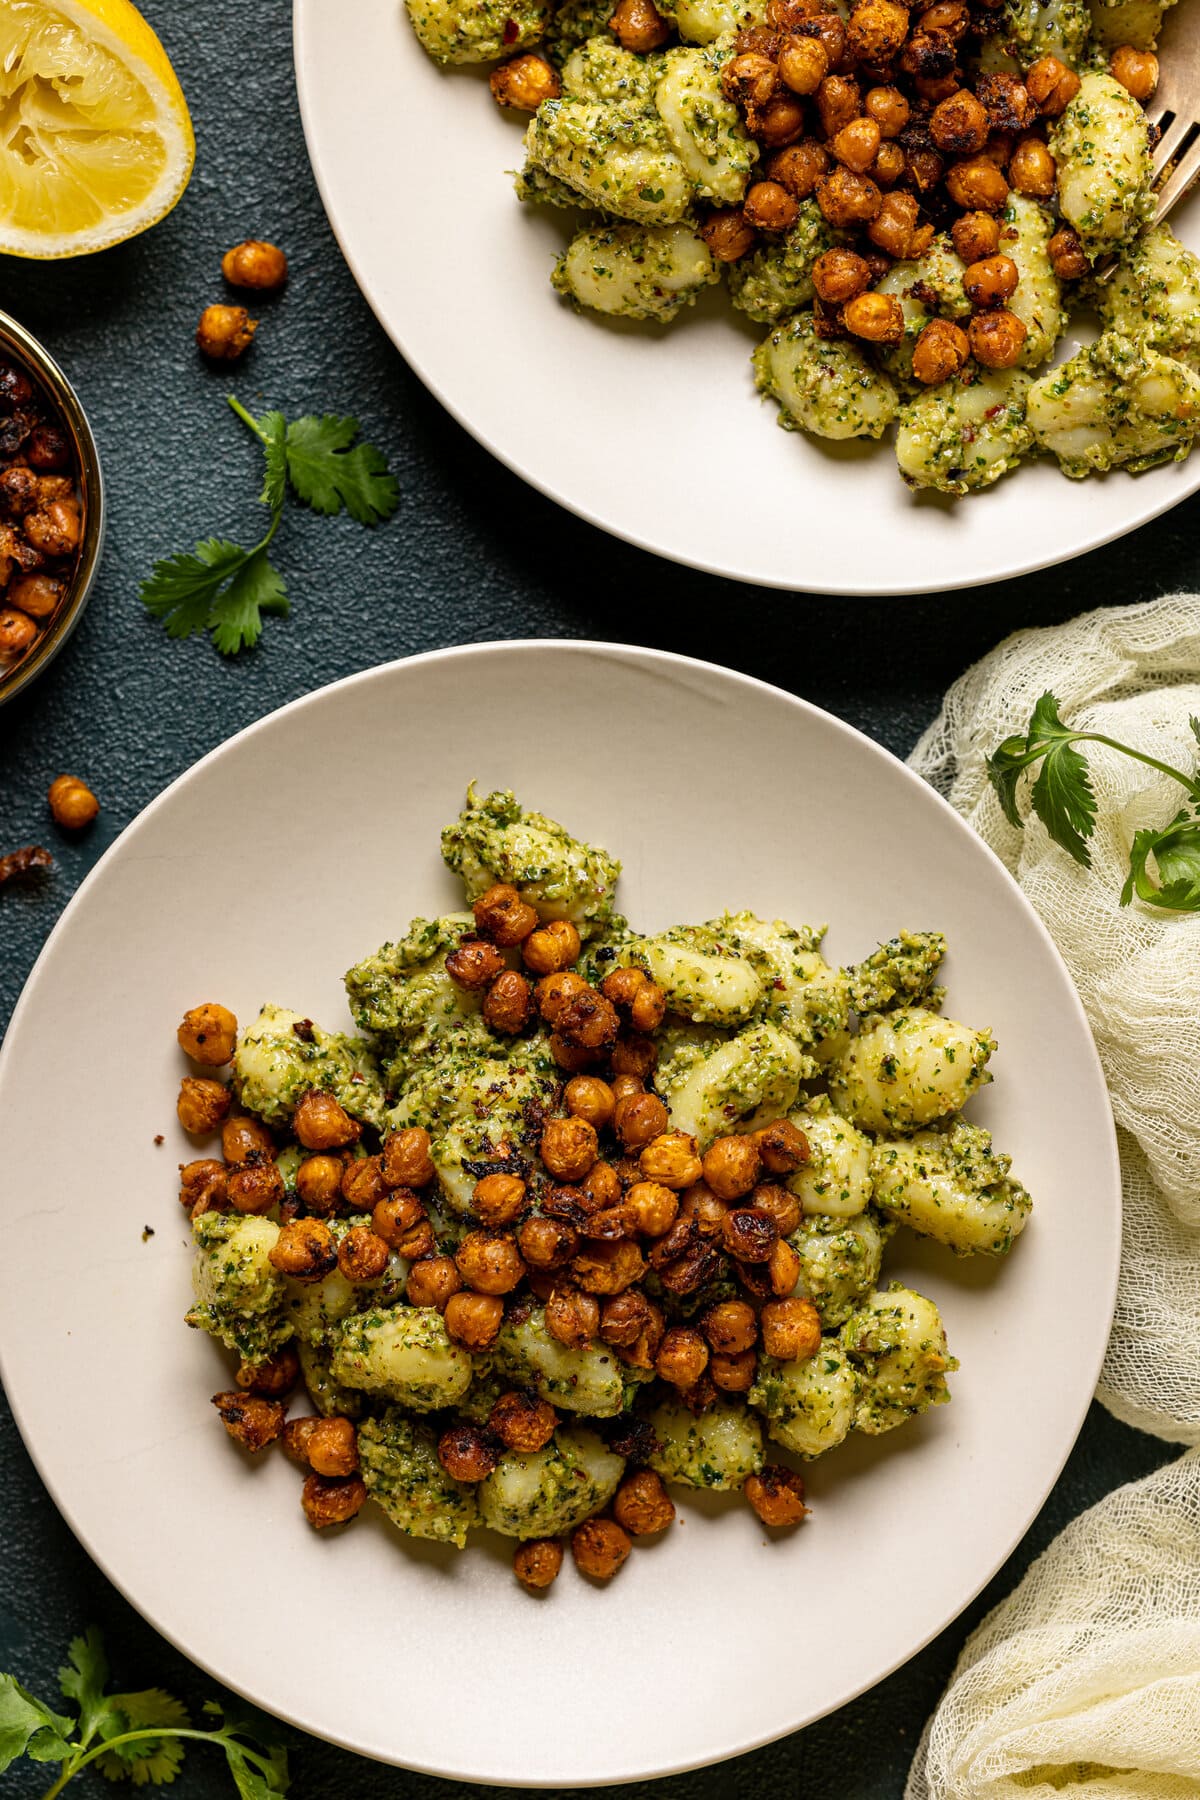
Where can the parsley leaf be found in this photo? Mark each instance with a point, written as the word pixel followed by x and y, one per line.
pixel 272 429
pixel 1062 795
pixel 329 470
pixel 236 616
pixel 1176 852
pixel 27 1728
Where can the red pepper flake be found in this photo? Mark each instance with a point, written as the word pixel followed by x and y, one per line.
pixel 159 1138
pixel 512 31
pixel 303 1029
pixel 24 862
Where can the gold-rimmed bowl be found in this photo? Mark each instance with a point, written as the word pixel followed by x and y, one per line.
pixel 20 346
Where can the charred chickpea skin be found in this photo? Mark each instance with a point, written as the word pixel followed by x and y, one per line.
pixel 624 1319
pixel 682 1356
pixel 547 1243
pixel 728 234
pixel 588 1022
pixel 639 26
pixel 319 1183
pixel 327 1500
pixel 782 1146
pixel 749 80
pixel 225 333
pixel 297 1434
pixel 879 318
pixel 607 1268
pixel 207 1033
pixel 671 1160
pixel 731 1166
pixel 202 1105
pixel 641 1504
pixel 601 1187
pixel 1067 256
pixel 255 1187
pixel 489 1264
pixel 244 1136
pixel 701 1207
pixel 799 167
pixel 783 1269
pixel 975 235
pixel 499 1199
pixel 769 207
pixel 555 992
pixel 569 1147
pixel 522 1422
pixel 406 1159
pixel 536 1562
pixel 304 1250
pixel 734 1374
pixel 572 1317
pixel 332 1447
pixel 990 282
pixel 731 1327
pixel 417 1242
pixel 550 947
pixel 395 1218
pixel 996 338
pixel 959 125
pixel 202 1185
pixel 940 351
pixel 321 1123
pixel 599 1547
pixel 777 1495
pixel 895 223
pixel 55 529
pixel 524 82
pixel 474 965
pixel 779 1203
pixel 1052 85
pixel 791 1329
pixel 363 1186
pixel 503 917
pixel 467 1453
pixel 432 1281
pixel 848 199
pixel 508 1003
pixel 272 1378
pixel 876 30
pixel 638 1119
pixel 1136 70
pixel 362 1256
pixel 255 264
pixel 749 1234
pixel 1032 169
pixel 977 185
pixel 72 806
pixel 251 1422
pixel 474 1320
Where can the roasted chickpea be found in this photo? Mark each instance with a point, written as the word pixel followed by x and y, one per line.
pixel 649 1005
pixel 939 352
pixel 394 1218
pixel 728 235
pixel 304 1250
pixel 321 1123
pixel 569 1147
pixel 255 264
pixel 363 1185
pixel 569 1057
pixel 489 1264
pixel 474 965
pixel 838 275
pixel 1067 256
pixel 731 1327
pixel 362 1256
pixel 856 146
pixel 332 1447
pixel 950 16
pixel 417 1242
pixel 791 1329
pixel 1032 169
pixel 571 1317
pixel 799 167
pixel 838 101
pixel 1136 70
pixel 622 984
pixel 599 1547
pixel 682 1357
pixel 879 318
pixel 996 338
pixel 502 916
pixel 638 1119
pixel 624 1084
pixel 803 64
pixel 990 282
pixel 654 1207
pixel 554 993
pixel 537 1561
pixel 642 1505
pixel 977 185
pixel 783 1268
pixel 830 27
pixel 633 1056
pixel 587 1097
pixel 731 1166
pixel 889 166
pixel 924 167
pixel 699 1205
pixel 609 1223
pixel 47 447
pixel 734 1374
pixel 297 1434
pixel 255 1187
pixel 769 207
pixel 508 1003
pixel 749 81
pixel 780 1203
pixel 73 805
pixel 550 947
pixel 273 1377
pixel 848 199
pixel 524 82
pixel 893 226
pixel 1052 85
pixel 319 1183
pixel 466 1453
pixel 889 109
pixel 225 333
pixel 671 1160
pixel 202 1105
pixel 607 1267
pixel 522 1423
pixel 474 1320
pixel 624 1318
pixel 547 1243
pixel 499 1199
pixel 777 1495
pixel 328 1500
pixel 55 529
pixel 780 122
pixel 600 1188
pixel 920 240
pixel 960 124
pixel 749 1234
pixel 406 1159
pixel 588 1022
pixel 639 26
pixel 243 1137
pixel 250 1422
pixel 37 595
pixel 431 1281
pixel 208 1033
pixel 876 30
pixel 975 235
pixel 202 1186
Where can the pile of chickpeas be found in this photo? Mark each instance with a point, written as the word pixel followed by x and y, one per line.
pixel 614 1226
pixel 41 521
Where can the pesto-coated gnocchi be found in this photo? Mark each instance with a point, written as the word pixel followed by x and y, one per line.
pixel 402 1473
pixel 1116 404
pixel 897 1344
pixel 835 1179
pixel 715 1449
pixel 404 1353
pixel 952 1186
pixel 1102 147
pixel 591 1380
pixel 636 271
pixel 809 1406
pixel 824 386
pixel 907 1069
pixel 275 1063
pixel 776 278
pixel 542 1493
pixel 964 435
pixel 472 31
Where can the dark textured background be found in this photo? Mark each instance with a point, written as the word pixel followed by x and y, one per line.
pixel 471 554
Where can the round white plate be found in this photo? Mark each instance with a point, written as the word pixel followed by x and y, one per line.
pixel 655 434
pixel 261 875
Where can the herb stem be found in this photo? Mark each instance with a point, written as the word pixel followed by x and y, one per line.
pixel 1190 783
pixel 247 418
pixel 156 1732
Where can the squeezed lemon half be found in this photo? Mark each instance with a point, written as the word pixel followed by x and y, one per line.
pixel 95 139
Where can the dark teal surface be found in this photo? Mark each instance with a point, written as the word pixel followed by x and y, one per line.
pixel 471 554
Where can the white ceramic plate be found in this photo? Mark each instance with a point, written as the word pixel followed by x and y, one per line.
pixel 654 434
pixel 262 874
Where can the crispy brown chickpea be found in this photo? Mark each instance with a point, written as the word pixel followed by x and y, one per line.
pixel 654 1207
pixel 363 1184
pixel 939 352
pixel 297 1434
pixel 633 1055
pixel 1032 169
pixel 856 146
pixel 319 1183
pixel 571 1317
pixel 622 985
pixel 889 166
pixel 417 1242
pixel 830 27
pixel 37 595
pixel 920 240
pixel 522 1422
pixel 609 1223
pixel 838 101
pixel 569 1147
pixel 1067 256
pixel 273 1377
pixel 642 1505
pixel 782 1146
pixel 950 16
pixel 734 1374
pixel 848 199
pixel 255 264
pixel 599 1547
pixel 608 1267
pixel 780 122
pixel 893 225
pixel 1136 70
pixel 489 1264
pixel 394 1218
pixel 671 1160
pixel 731 1327
pixel 474 1320
pixel 47 447
pixel 524 82
pixel 499 1199
pixel 474 965
pixel 503 917
pixel 624 1318
pixel 202 1105
pixel 362 1256
pixel 243 1136
pixel 959 125
pixel 55 529
pixel 682 1357
pixel 769 207
pixel 225 333
pixel 1052 85
pixel 332 1447
pixel 431 1281
pixel 777 1495
pixel 588 1022
pixel 73 805
pixel 638 1118
pixel 208 1033
pixel 547 1243
pixel 625 1083
pixel 749 81
pixel 649 1005
pixel 876 30
pixel 791 1329
pixel 551 947
pixel 537 1561
pixel 250 1422
pixel 639 26
pixel 879 318
pixel 977 185
pixel 508 1003
pixel 321 1123
pixel 554 993
pixel 780 1203
pixel 799 167
pixel 202 1186
pixel 255 1187
pixel 889 109
pixel 304 1250
pixel 990 282
pixel 996 338
pixel 731 1166
pixel 328 1500
pixel 1008 103
pixel 406 1159
pixel 783 1268
pixel 587 1097
pixel 727 234
pixel 749 1234
pixel 999 148
pixel 600 1188
pixel 975 235
pixel 700 1205
pixel 803 64
pixel 465 1452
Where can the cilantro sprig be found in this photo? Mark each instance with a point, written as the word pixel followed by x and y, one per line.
pixel 225 589
pixel 1064 800
pixel 136 1737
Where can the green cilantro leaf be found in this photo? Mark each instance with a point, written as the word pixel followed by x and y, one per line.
pixel 83 1680
pixel 235 617
pixel 28 1728
pixel 1062 795
pixel 1005 767
pixel 182 589
pixel 1176 852
pixel 329 470
pixel 273 432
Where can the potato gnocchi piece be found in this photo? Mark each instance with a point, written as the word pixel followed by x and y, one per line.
pixel 601 69
pixel 616 155
pixel 1154 296
pixel 240 1295
pixel 804 996
pixel 702 979
pixel 406 1354
pixel 952 1186
pixel 273 1066
pixel 757 1072
pixel 575 22
pixel 402 1473
pixel 404 992
pixel 1025 232
pixel 636 271
pixel 809 1406
pixel 908 1069
pixel 836 1180
pixel 928 288
pixel 704 21
pixel 776 278
pixel 823 386
pixel 1135 22
pixel 898 973
pixel 328 1396
pixel 840 1261
pixel 534 187
pixel 546 1492
pixel 496 839
pixel 714 1449
pixel 897 1343
pixel 1029 29
pixel 705 129
pixel 589 1381
pixel 484 1113
pixel 1115 405
pixel 1102 147
pixel 960 436
pixel 470 31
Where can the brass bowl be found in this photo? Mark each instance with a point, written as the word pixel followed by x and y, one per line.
pixel 20 346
